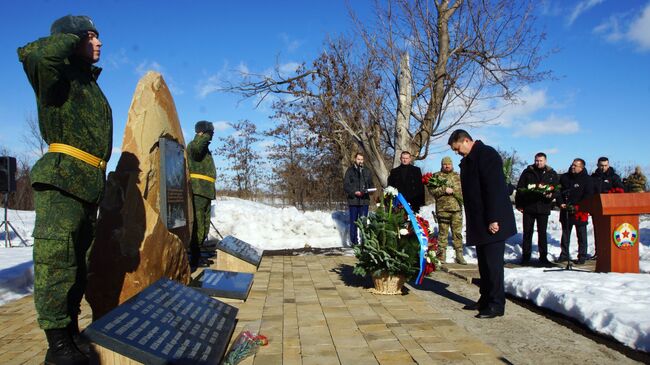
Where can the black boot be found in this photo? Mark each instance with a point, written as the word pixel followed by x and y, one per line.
pixel 62 350
pixel 80 341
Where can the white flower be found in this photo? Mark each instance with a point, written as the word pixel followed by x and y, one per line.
pixel 367 221
pixel 403 232
pixel 531 186
pixel 428 259
pixel 390 191
pixel 378 205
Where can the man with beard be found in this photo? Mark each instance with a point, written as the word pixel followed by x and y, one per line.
pixel 76 122
pixel 576 186
pixel 356 183
pixel 535 206
pixel 605 177
pixel 489 214
pixel 407 179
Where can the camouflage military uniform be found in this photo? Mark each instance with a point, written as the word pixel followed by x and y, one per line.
pixel 636 182
pixel 72 110
pixel 449 214
pixel 201 162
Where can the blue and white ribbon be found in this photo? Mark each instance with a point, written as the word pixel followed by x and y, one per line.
pixel 422 237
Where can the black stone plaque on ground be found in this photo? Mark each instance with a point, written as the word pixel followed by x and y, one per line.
pixel 225 284
pixel 167 323
pixel 241 250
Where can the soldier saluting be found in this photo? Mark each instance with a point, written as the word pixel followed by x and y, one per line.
pixel 76 122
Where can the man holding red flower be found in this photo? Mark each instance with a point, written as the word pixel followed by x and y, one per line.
pixel 536 190
pixel 577 185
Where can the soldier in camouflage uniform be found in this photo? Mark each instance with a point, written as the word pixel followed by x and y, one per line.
pixel 449 211
pixel 202 175
pixel 636 182
pixel 76 122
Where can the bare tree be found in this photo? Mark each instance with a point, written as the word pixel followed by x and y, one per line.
pixel 32 136
pixel 425 67
pixel 242 157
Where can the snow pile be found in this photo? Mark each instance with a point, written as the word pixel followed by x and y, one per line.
pixel 613 304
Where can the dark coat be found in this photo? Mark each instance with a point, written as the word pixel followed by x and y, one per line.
pixel 535 203
pixel 485 196
pixel 407 179
pixel 605 181
pixel 575 188
pixel 357 179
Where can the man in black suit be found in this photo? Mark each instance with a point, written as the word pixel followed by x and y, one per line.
pixel 407 179
pixel 489 215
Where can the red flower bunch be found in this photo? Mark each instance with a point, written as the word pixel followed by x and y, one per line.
pixel 426 177
pixel 616 191
pixel 424 225
pixel 578 215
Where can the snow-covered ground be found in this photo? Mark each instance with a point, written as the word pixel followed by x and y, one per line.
pixel 614 304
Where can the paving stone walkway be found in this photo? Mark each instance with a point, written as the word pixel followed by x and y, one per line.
pixel 314 311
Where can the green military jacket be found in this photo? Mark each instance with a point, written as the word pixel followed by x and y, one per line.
pixel 71 110
pixel 201 162
pixel 636 183
pixel 448 202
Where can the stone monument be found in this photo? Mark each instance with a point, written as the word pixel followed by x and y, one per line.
pixel 134 246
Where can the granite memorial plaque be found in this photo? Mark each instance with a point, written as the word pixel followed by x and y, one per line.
pixel 172 183
pixel 241 250
pixel 167 323
pixel 225 284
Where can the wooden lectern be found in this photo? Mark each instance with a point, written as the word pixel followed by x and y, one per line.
pixel 616 229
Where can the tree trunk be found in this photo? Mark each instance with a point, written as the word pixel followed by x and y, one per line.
pixel 404 105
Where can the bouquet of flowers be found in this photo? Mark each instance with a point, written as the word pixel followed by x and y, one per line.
pixel 616 191
pixel 433 182
pixel 578 215
pixel 544 189
pixel 246 344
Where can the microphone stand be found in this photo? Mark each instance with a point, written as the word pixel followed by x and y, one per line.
pixel 569 263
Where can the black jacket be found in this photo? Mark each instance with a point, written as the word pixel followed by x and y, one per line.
pixel 407 179
pixel 357 179
pixel 605 181
pixel 534 203
pixel 575 188
pixel 485 196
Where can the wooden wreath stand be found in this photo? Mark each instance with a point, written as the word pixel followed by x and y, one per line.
pixel 608 212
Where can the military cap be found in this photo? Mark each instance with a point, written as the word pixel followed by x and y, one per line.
pixel 445 160
pixel 75 24
pixel 204 126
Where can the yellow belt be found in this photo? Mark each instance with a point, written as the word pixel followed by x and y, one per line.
pixel 203 177
pixel 78 154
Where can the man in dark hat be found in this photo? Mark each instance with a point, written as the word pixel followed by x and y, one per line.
pixel 75 120
pixel 202 176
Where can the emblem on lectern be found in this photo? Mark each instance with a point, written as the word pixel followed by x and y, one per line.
pixel 625 236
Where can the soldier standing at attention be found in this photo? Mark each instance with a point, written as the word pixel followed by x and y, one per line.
pixel 202 176
pixel 75 120
pixel 449 211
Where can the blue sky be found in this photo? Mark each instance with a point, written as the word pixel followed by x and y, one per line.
pixel 597 104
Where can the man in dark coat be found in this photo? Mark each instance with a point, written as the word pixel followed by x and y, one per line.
pixel 605 177
pixel 203 175
pixel 536 206
pixel 576 186
pixel 407 179
pixel 489 214
pixel 76 121
pixel 356 183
